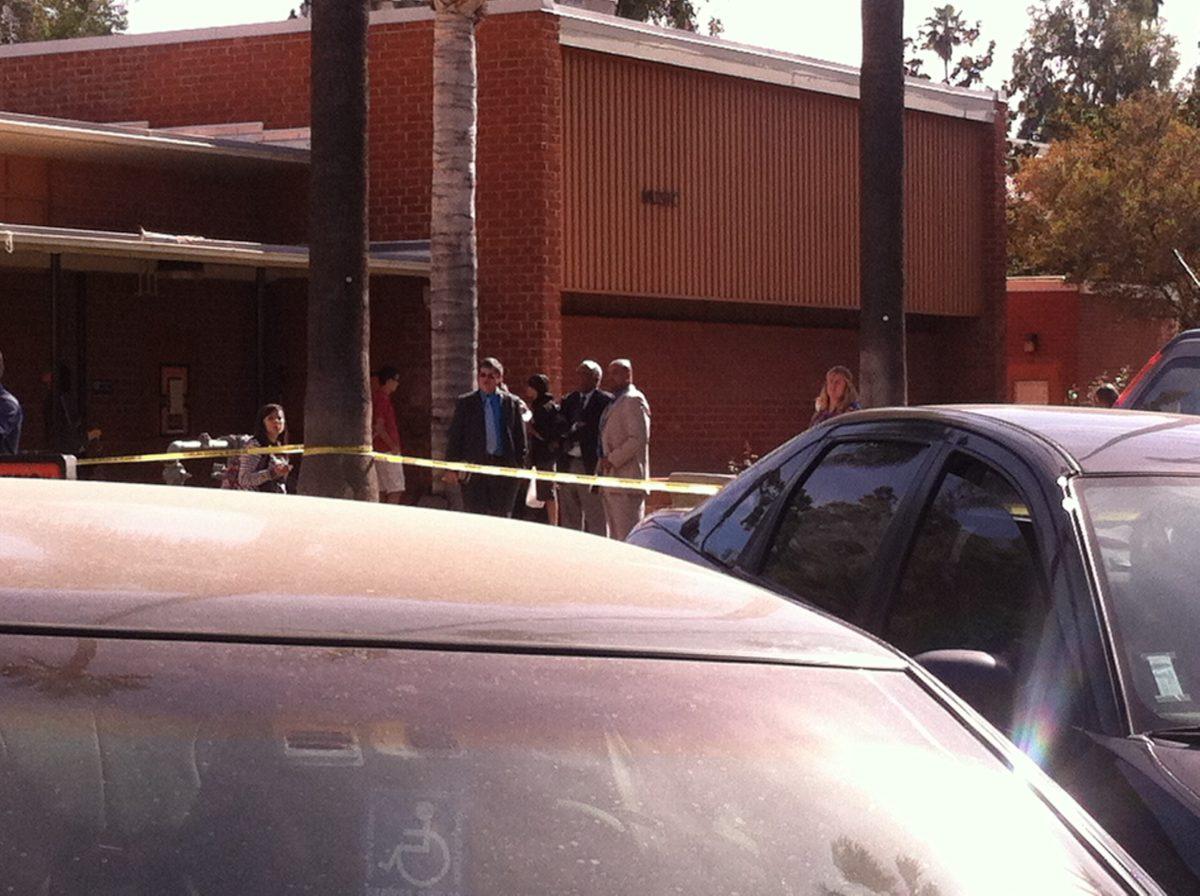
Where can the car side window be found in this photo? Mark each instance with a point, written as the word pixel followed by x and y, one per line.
pixel 730 537
pixel 972 578
pixel 833 524
pixel 1176 390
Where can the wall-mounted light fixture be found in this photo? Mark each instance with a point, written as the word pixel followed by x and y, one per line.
pixel 1031 343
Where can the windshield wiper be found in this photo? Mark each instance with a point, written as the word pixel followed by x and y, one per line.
pixel 1184 733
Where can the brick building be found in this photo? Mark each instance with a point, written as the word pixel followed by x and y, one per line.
pixel 1061 336
pixel 677 199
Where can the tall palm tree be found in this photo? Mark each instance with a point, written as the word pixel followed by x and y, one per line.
pixel 454 272
pixel 337 401
pixel 882 364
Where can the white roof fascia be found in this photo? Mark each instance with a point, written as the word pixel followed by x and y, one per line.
pixel 67 132
pixel 25 237
pixel 583 29
pixel 602 33
pixel 156 38
pixel 232 32
pixel 494 8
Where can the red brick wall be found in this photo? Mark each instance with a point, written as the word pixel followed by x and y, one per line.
pixel 755 382
pixel 265 78
pixel 400 129
pixel 1110 340
pixel 1053 315
pixel 714 387
pixel 520 194
pixel 1079 336
pixel 240 79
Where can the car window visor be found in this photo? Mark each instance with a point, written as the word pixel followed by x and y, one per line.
pixel 1189 734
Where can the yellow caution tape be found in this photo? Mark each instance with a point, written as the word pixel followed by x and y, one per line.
pixel 646 485
pixel 200 454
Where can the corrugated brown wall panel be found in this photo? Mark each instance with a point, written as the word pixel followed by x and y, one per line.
pixel 943 220
pixel 767 178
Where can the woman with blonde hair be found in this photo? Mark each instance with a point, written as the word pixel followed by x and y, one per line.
pixel 838 396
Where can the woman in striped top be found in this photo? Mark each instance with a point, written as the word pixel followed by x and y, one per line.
pixel 266 472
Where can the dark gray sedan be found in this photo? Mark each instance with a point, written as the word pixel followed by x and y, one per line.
pixel 1043 562
pixel 208 693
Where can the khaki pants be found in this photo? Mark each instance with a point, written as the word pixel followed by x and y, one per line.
pixel 623 510
pixel 578 506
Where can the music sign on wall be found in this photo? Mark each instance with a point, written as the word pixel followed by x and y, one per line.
pixel 663 198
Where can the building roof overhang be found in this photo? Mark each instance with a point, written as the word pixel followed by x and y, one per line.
pixel 57 138
pixel 584 29
pixel 587 30
pixel 21 242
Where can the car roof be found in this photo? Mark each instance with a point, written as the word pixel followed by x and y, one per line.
pixel 211 564
pixel 1094 441
pixel 1181 337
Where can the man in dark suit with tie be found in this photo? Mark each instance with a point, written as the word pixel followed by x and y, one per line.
pixel 487 429
pixel 580 506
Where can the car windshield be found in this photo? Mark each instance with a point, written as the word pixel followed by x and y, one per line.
pixel 1175 389
pixel 146 767
pixel 1145 534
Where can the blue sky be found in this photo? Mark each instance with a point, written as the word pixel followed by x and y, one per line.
pixel 809 27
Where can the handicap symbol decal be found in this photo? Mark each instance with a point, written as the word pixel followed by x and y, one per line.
pixel 416 845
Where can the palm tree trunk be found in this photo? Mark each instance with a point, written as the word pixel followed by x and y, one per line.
pixel 882 364
pixel 337 401
pixel 454 272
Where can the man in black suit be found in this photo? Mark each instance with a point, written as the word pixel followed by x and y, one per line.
pixel 487 429
pixel 580 506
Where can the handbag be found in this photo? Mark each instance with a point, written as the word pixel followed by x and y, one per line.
pixel 531 497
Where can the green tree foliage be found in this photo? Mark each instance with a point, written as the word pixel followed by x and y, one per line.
pixel 682 14
pixel 1110 203
pixel 1191 105
pixel 942 34
pixel 30 20
pixel 1081 57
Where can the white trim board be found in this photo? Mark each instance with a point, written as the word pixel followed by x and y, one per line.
pixel 25 238
pixel 583 29
pixel 621 37
pixel 232 32
pixel 58 137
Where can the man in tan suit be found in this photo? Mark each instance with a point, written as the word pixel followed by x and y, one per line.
pixel 624 449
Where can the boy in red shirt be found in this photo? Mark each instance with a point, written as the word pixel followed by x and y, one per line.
pixel 386 436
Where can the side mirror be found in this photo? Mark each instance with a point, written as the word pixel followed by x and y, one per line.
pixel 982 679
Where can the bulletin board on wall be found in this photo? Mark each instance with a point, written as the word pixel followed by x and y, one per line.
pixel 173 388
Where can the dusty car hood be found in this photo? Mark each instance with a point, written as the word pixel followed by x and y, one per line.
pixel 113 557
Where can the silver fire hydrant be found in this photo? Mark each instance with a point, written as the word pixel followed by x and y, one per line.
pixel 174 473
